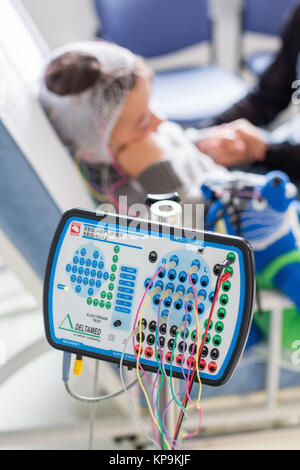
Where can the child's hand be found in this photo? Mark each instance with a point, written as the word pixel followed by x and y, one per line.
pixel 140 155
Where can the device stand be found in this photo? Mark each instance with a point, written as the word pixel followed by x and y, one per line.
pixel 170 212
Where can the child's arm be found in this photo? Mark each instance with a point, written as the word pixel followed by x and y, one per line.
pixel 147 162
pixel 140 155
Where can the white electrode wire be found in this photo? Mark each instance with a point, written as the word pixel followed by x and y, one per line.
pixel 96 399
pixel 126 390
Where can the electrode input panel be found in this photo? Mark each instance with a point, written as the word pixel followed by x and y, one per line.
pixel 108 276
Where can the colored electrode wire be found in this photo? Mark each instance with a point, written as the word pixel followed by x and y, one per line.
pixel 198 358
pixel 171 373
pixel 134 332
pixel 196 432
pixel 138 375
pixel 162 376
pixel 196 366
pixel 197 339
pixel 167 329
pixel 220 280
pixel 164 372
pixel 175 442
pixel 185 385
pixel 136 317
pixel 94 188
pixel 153 404
pixel 184 343
pixel 197 404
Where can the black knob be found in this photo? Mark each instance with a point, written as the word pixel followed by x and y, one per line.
pixel 153 257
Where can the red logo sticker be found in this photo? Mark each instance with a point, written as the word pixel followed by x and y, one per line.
pixel 75 229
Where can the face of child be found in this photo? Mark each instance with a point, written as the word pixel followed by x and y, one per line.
pixel 136 120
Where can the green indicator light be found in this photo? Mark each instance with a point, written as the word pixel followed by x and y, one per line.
pixel 114 268
pixel 186 333
pixel 115 258
pixel 116 249
pixel 111 286
pixel 217 340
pixel 109 296
pixel 219 327
pixel 226 286
pixel 210 325
pixel 232 256
pixel 112 277
pixel 103 294
pixel 95 302
pixel 221 313
pixel 108 305
pixel 207 339
pixel 89 301
pixel 224 299
pixel 101 303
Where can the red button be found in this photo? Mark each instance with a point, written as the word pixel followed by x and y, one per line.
pixel 212 366
pixel 179 359
pixel 168 357
pixel 191 362
pixel 148 352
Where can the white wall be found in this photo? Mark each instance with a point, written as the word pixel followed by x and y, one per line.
pixel 62 21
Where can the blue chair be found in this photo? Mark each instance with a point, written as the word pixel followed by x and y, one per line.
pixel 153 28
pixel 265 17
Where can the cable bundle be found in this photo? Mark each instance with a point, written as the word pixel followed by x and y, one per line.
pixel 160 432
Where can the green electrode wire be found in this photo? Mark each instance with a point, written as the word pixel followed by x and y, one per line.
pixel 159 389
pixel 171 380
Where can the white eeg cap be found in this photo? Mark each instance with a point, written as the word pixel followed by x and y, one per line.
pixel 84 121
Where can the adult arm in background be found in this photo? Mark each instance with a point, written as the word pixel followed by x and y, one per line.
pixel 271 95
pixel 274 91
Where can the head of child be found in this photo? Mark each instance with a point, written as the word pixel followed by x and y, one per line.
pixel 97 96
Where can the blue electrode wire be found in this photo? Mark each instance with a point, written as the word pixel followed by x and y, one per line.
pixel 184 343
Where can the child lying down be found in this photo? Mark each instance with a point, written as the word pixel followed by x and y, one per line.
pixel 97 96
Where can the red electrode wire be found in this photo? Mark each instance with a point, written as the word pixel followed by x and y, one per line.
pixel 223 278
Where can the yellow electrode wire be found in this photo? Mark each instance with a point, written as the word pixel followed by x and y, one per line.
pixel 197 404
pixel 138 373
pixel 197 361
